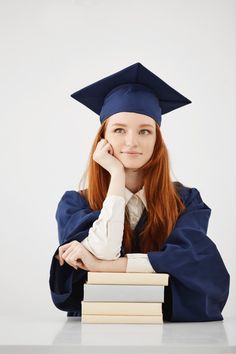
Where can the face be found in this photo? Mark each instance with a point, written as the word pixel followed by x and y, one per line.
pixel 132 136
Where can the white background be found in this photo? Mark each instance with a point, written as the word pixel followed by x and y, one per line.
pixel 52 48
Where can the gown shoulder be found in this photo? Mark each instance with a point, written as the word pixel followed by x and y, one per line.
pixel 189 195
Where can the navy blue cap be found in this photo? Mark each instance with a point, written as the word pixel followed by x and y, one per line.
pixel 133 89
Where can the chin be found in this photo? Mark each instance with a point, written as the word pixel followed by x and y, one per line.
pixel 132 165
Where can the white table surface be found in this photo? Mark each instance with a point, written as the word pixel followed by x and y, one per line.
pixel 61 335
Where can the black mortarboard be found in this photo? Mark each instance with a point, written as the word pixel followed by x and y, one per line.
pixel 133 89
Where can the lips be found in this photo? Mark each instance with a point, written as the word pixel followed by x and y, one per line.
pixel 131 152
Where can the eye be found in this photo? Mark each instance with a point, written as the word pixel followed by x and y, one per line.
pixel 118 129
pixel 145 130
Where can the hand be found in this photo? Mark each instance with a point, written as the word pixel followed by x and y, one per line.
pixel 103 155
pixel 77 256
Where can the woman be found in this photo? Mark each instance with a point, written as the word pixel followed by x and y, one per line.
pixel 132 217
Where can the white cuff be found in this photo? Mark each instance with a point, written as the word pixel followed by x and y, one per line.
pixel 138 263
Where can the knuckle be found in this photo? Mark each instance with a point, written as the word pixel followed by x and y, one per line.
pixel 68 260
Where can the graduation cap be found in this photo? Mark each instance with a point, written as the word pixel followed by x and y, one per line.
pixel 133 89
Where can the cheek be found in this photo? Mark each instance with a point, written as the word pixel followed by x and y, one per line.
pixel 110 138
pixel 150 147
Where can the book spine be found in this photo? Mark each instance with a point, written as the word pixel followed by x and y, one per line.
pixel 121 319
pixel 128 278
pixel 123 293
pixel 121 308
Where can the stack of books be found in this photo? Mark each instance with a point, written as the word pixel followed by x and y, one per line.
pixel 123 297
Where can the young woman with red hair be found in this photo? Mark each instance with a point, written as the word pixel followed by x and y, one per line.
pixel 131 217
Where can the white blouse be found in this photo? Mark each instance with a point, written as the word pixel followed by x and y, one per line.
pixel 105 236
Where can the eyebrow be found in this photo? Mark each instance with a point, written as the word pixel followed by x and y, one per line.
pixel 141 125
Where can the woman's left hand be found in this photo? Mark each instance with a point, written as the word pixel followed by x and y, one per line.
pixel 77 256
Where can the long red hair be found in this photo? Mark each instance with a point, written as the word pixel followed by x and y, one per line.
pixel 164 202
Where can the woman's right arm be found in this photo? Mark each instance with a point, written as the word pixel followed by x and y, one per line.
pixel 104 237
pixel 106 234
pixel 117 184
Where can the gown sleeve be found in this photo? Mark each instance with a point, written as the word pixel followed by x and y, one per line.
pixel 74 219
pixel 199 281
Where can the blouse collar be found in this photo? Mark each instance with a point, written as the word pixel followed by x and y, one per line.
pixel 140 194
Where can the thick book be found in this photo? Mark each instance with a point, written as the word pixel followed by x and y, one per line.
pixel 123 293
pixel 121 319
pixel 121 308
pixel 128 278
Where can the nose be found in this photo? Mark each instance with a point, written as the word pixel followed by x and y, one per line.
pixel 130 139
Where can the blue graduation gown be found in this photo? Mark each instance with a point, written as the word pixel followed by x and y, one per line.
pixel 199 281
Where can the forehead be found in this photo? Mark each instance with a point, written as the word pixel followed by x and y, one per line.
pixel 130 118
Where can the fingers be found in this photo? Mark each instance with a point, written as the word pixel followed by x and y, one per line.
pixel 81 265
pixel 72 254
pixel 110 149
pixel 107 147
pixel 104 144
pixel 64 250
pixel 73 257
pixel 61 250
pixel 67 251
